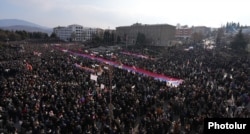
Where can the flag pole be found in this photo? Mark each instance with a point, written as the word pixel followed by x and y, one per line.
pixel 110 95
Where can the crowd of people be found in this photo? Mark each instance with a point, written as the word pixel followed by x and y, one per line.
pixel 42 91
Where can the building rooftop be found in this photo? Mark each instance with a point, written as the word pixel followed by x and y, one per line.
pixel 140 24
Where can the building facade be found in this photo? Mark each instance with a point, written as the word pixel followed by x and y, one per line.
pixel 158 34
pixel 183 32
pixel 90 33
pixel 63 33
pixel 69 33
pixel 76 32
pixel 205 31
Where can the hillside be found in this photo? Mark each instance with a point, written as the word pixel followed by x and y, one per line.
pixel 16 24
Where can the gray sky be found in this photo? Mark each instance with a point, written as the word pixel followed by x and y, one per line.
pixel 112 13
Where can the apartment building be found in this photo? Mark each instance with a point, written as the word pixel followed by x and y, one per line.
pixel 205 31
pixel 77 33
pixel 70 33
pixel 183 32
pixel 63 33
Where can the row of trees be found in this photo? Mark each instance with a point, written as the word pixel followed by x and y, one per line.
pixel 239 41
pixel 6 35
pixel 141 39
pixel 196 37
pixel 108 38
pixel 233 25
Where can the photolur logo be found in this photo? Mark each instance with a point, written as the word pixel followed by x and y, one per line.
pixel 215 125
pixel 227 125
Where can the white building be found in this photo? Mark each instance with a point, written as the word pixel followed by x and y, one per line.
pixel 77 33
pixel 70 33
pixel 63 33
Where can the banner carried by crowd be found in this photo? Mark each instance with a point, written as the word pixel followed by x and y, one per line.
pixel 136 55
pixel 84 68
pixel 169 80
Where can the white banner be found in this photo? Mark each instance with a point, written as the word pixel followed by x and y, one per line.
pixel 93 77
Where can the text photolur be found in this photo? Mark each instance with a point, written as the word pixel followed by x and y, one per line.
pixel 226 125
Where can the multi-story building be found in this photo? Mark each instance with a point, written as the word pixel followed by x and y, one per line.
pixel 63 33
pixel 183 32
pixel 77 33
pixel 205 31
pixel 70 33
pixel 157 34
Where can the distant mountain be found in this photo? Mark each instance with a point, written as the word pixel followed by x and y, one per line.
pixel 16 24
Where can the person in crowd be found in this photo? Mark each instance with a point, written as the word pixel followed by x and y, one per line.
pixel 42 91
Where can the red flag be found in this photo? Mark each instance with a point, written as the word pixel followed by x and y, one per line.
pixel 29 67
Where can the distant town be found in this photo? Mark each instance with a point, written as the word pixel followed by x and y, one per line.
pixel 146 34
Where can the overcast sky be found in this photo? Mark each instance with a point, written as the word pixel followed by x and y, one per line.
pixel 112 13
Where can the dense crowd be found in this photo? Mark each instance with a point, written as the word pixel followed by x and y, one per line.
pixel 47 93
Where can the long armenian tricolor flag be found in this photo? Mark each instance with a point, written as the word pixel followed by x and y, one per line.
pixel 169 80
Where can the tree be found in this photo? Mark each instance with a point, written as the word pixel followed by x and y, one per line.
pixel 96 38
pixel 118 39
pixel 239 42
pixel 112 38
pixel 14 37
pixel 53 35
pixel 45 36
pixel 106 36
pixel 141 39
pixel 238 25
pixel 3 36
pixel 73 37
pixel 39 35
pixel 23 34
pixel 220 34
pixel 197 37
pixel 227 25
